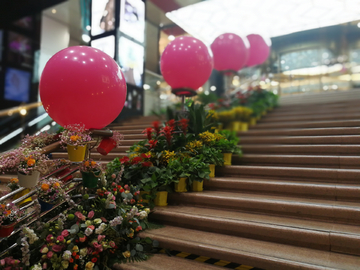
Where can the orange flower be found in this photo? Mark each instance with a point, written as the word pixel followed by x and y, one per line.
pixel 93 163
pixel 86 163
pixel 57 184
pixel 45 187
pixel 2 206
pixel 7 212
pixel 14 180
pixel 74 138
pixel 31 162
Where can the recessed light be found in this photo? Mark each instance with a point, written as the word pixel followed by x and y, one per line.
pixel 53 10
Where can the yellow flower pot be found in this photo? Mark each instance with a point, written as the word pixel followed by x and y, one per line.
pixel 161 198
pixel 143 193
pixel 252 121
pixel 181 185
pixel 264 113
pixel 227 158
pixel 244 126
pixel 76 153
pixel 20 194
pixel 220 126
pixel 212 170
pixel 197 186
pixel 236 126
pixel 216 130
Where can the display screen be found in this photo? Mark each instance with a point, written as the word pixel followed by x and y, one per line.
pixel 132 19
pixel 20 51
pixel 131 59
pixel 105 44
pixel 102 16
pixel 17 85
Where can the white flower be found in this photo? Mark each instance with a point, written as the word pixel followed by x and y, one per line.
pixel 116 221
pixel 37 267
pixel 88 231
pixel 101 228
pixel 142 215
pixel 67 255
pixel 83 251
pixel 97 220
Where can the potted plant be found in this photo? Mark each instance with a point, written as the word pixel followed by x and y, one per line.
pixel 91 171
pixel 178 167
pixel 227 143
pixel 75 137
pixel 14 185
pixel 39 140
pixel 198 172
pixel 9 215
pixel 50 193
pixel 213 157
pixel 108 143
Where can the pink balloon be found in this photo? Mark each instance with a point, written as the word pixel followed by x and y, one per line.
pixel 186 63
pixel 230 52
pixel 259 50
pixel 82 85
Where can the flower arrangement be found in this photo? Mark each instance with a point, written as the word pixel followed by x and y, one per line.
pixel 40 140
pixel 75 135
pixel 9 214
pixel 9 263
pixel 14 184
pixel 25 161
pixel 50 190
pixel 89 165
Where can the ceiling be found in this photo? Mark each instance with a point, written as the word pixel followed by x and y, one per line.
pixel 208 19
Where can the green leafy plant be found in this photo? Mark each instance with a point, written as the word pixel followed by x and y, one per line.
pixel 200 120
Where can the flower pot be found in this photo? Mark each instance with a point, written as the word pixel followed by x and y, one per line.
pixel 76 153
pixel 62 173
pixel 161 198
pixel 143 193
pixel 212 170
pixel 90 179
pixel 181 185
pixel 20 194
pixel 244 126
pixel 220 126
pixel 227 158
pixel 264 113
pixel 6 230
pixel 45 206
pixel 252 121
pixel 197 186
pixel 106 145
pixel 258 117
pixel 28 180
pixel 236 126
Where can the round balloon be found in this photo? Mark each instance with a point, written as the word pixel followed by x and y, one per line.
pixel 82 85
pixel 186 63
pixel 230 52
pixel 259 50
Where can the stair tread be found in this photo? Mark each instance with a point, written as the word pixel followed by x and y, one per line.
pixel 260 219
pixel 164 262
pixel 252 252
pixel 298 131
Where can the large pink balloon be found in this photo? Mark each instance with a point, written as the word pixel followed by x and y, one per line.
pixel 82 85
pixel 186 63
pixel 259 50
pixel 230 52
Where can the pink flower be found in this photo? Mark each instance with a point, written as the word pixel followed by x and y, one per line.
pixel 100 237
pixel 49 238
pixel 2 262
pixel 60 238
pixel 112 244
pixel 65 233
pixel 113 176
pixel 103 219
pixel 56 248
pixel 82 239
pixel 91 227
pixel 96 245
pixel 127 187
pixel 91 214
pixel 49 254
pixel 80 216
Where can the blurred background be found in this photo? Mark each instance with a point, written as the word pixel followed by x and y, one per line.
pixel 315 47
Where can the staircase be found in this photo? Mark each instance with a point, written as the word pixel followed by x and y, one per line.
pixel 291 202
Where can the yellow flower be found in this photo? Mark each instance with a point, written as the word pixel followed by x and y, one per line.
pixel 89 265
pixel 131 233
pixel 74 138
pixel 207 137
pixel 167 155
pixel 57 184
pixel 45 187
pixel 93 163
pixel 86 163
pixel 14 180
pixel 137 149
pixel 131 156
pixel 212 114
pixel 126 254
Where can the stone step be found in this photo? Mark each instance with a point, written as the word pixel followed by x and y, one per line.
pixel 297 207
pixel 341 162
pixel 165 262
pixel 308 140
pixel 302 132
pixel 311 174
pixel 317 117
pixel 303 233
pixel 263 254
pixel 309 124
pixel 286 187
pixel 321 150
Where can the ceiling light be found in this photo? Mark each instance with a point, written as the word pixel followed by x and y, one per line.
pixel 146 87
pixel 207 93
pixel 88 27
pixel 171 37
pixel 158 82
pixel 23 111
pixel 213 88
pixel 86 38
pixel 53 10
pixel 206 20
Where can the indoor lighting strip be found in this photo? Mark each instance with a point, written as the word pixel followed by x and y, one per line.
pixel 37 119
pixel 11 135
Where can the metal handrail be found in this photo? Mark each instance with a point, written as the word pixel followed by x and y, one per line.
pixel 17 109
